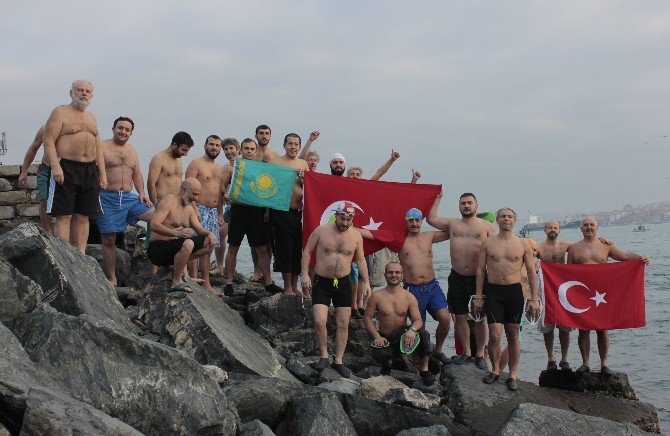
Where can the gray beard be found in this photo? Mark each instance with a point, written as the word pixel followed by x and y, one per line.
pixel 81 105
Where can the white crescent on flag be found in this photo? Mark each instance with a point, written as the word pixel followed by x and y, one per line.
pixel 563 296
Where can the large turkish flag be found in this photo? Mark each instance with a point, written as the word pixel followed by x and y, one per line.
pixel 594 297
pixel 380 206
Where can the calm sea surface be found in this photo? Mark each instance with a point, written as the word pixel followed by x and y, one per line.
pixel 641 353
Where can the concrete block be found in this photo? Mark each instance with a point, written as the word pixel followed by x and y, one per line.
pixel 6 212
pixel 10 170
pixel 11 198
pixel 28 210
pixel 5 185
pixel 31 182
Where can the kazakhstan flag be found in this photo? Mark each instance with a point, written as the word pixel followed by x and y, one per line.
pixel 262 184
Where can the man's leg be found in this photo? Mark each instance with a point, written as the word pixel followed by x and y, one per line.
pixel 584 343
pixel 109 256
pixel 495 335
pixel 342 315
pixel 180 260
pixel 204 255
pixel 294 284
pixel 220 251
pixel 549 345
pixel 564 339
pixel 514 347
pixel 62 227
pixel 443 319
pixel 481 336
pixel 45 218
pixel 257 268
pixel 80 228
pixel 320 312
pixel 603 346
pixel 462 333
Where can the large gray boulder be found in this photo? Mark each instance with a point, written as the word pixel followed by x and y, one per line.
pixel 256 428
pixel 315 415
pixel 53 413
pixel 18 294
pixel 152 387
pixel 486 407
pixel 207 329
pixel 71 282
pixel 122 264
pixel 536 420
pixel 615 385
pixel 435 430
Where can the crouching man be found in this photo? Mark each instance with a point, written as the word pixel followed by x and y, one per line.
pixel 177 236
pixel 393 305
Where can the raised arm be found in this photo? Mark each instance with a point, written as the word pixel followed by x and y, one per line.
pixel 308 145
pixel 441 223
pixel 415 176
pixel 617 253
pixel 439 236
pixel 30 156
pixel 387 165
pixel 152 179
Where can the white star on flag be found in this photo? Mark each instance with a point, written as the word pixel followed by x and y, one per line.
pixel 599 298
pixel 373 225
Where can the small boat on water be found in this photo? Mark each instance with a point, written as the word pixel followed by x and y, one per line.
pixel 640 229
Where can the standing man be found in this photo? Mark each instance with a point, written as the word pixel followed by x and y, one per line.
pixel 119 205
pixel 335 245
pixel 287 225
pixel 43 176
pixel 313 160
pixel 263 136
pixel 72 148
pixel 416 258
pixel 591 250
pixel 231 149
pixel 209 202
pixel 466 235
pixel 501 258
pixel 337 164
pixel 393 305
pixel 246 220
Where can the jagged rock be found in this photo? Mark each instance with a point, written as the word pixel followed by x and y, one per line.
pixel 486 407
pixel 133 243
pixel 152 387
pixel 265 399
pixel 343 386
pixel 121 266
pixel 53 413
pixel 302 371
pixel 280 313
pixel 217 374
pixel 71 282
pixel 536 420
pixel 412 398
pixel 205 328
pixel 320 414
pixel 376 388
pixel 18 294
pixel 256 428
pixel 129 296
pixel 616 385
pixel 435 430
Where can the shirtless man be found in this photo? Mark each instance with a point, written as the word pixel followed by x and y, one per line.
pixel 287 225
pixel 313 160
pixel 416 258
pixel 591 250
pixel 209 203
pixel 393 305
pixel 246 220
pixel 231 149
pixel 43 176
pixel 119 205
pixel 335 245
pixel 337 164
pixel 165 171
pixel 72 147
pixel 357 172
pixel 263 136
pixel 306 153
pixel 501 258
pixel 177 236
pixel 466 235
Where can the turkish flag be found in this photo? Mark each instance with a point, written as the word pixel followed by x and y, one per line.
pixel 380 206
pixel 604 296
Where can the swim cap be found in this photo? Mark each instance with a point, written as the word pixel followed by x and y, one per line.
pixel 346 207
pixel 337 156
pixel 414 213
pixel 487 216
pixel 532 243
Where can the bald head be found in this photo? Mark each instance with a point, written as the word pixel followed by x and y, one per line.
pixel 191 183
pixel 589 227
pixel 81 82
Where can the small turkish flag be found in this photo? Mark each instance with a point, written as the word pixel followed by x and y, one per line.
pixel 380 206
pixel 604 296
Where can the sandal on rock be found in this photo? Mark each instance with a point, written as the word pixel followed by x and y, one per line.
pixel 605 370
pixel 321 364
pixel 512 384
pixel 444 360
pixel 490 378
pixel 480 363
pixel 551 366
pixel 583 369
pixel 427 377
pixel 461 359
pixel 181 287
pixel 565 366
pixel 342 370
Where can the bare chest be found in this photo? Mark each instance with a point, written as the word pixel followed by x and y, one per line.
pixel 397 307
pixel 474 233
pixel 119 158
pixel 78 124
pixel 590 255
pixel 340 246
pixel 512 253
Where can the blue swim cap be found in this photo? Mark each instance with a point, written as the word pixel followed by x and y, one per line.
pixel 414 213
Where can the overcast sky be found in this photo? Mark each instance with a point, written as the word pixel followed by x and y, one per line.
pixel 535 105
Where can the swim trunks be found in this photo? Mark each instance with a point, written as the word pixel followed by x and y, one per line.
pixel 548 328
pixel 325 290
pixel 43 176
pixel 209 219
pixel 383 355
pixel 118 209
pixel 246 220
pixel 287 249
pixel 459 290
pixel 353 275
pixel 162 253
pixel 430 297
pixel 79 191
pixel 503 303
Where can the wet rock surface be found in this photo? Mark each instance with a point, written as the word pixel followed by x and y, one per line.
pixel 616 385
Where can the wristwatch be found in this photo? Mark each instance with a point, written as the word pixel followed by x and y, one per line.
pixel 413 329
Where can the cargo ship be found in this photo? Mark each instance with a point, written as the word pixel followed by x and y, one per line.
pixel 535 222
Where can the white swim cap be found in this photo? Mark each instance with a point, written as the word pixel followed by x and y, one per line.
pixel 337 156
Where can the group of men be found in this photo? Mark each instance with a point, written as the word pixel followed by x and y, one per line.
pixel 82 177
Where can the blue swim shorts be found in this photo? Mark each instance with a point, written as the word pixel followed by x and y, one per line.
pixel 430 298
pixel 118 209
pixel 209 219
pixel 353 275
pixel 43 176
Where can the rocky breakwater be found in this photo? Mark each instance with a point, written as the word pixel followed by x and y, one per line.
pixel 17 204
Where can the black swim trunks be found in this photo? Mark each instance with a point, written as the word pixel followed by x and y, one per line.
pixel 460 288
pixel 383 355
pixel 162 253
pixel 246 220
pixel 504 303
pixel 338 290
pixel 287 248
pixel 79 191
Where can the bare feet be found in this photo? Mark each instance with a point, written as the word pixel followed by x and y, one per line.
pixel 213 291
pixel 289 293
pixel 217 272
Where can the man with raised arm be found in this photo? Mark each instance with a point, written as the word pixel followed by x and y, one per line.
pixel 72 148
pixel 334 245
pixel 416 258
pixel 591 250
pixel 466 235
pixel 393 305
pixel 209 203
pixel 43 176
pixel 501 258
pixel 177 236
pixel 119 205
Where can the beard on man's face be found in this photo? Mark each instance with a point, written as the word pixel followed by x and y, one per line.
pixel 552 235
pixel 212 155
pixel 336 171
